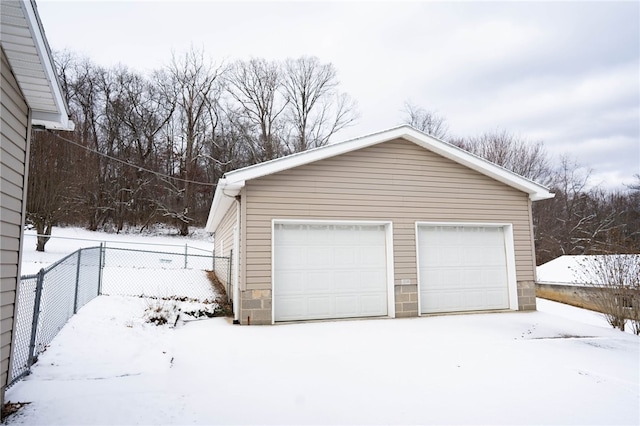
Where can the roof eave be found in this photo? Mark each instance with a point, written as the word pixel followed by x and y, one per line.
pixel 50 120
pixel 223 199
pixel 539 196
pixel 232 182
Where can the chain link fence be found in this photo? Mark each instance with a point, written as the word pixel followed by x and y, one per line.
pixel 47 300
pixel 131 272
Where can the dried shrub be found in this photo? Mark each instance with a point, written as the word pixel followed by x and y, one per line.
pixel 615 280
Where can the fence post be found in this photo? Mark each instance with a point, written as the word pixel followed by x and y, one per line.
pixel 104 253
pixel 186 248
pixel 75 298
pixel 100 267
pixel 36 317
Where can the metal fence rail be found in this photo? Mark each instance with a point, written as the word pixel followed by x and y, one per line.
pixel 48 299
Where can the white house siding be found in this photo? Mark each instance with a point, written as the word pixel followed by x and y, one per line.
pixel 397 181
pixel 14 131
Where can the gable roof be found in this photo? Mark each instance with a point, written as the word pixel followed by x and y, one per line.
pixel 232 182
pixel 25 45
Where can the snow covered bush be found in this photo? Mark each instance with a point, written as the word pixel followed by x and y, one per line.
pixel 161 311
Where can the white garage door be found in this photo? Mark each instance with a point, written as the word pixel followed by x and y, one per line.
pixel 462 268
pixel 329 271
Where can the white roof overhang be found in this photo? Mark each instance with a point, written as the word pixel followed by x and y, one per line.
pixel 232 182
pixel 24 42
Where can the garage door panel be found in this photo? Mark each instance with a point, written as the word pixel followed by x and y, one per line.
pixel 319 306
pixel 289 282
pixel 372 235
pixel 494 255
pixel 497 276
pixel 345 281
pixel 291 307
pixel 496 298
pixel 372 256
pixel 461 300
pixel 297 236
pixel 316 256
pixel 289 256
pixel 375 281
pixel 440 301
pixel 315 281
pixel 347 306
pixel 372 304
pixel 473 256
pixel 345 256
pixel 448 256
pixel 329 271
pixel 462 268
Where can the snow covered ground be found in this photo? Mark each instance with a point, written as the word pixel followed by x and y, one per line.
pixel 560 365
pixel 107 366
pixel 135 264
pixel 66 240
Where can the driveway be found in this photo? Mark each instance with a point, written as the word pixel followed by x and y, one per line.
pixel 108 366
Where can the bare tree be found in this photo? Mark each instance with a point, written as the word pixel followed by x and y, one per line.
pixel 636 185
pixel 194 81
pixel 316 110
pixel 521 156
pixel 145 117
pixel 137 127
pixel 584 220
pixel 81 83
pixel 255 85
pixel 50 184
pixel 615 279
pixel 429 122
pixel 557 220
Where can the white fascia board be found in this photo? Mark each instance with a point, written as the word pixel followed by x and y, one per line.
pixel 536 192
pixel 52 121
pixel 223 199
pixel 60 119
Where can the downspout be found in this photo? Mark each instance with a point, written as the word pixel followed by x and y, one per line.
pixel 236 265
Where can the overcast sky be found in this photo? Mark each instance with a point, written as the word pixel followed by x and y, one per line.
pixel 566 73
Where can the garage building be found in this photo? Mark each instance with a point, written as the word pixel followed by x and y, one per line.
pixel 393 224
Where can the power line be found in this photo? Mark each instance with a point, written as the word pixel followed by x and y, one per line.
pixel 129 164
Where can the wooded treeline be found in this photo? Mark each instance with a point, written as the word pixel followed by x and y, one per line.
pixel 148 148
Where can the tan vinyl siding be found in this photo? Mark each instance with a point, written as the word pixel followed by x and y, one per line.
pixel 396 181
pixel 224 242
pixel 14 128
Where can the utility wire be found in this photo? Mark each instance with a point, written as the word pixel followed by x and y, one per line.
pixel 127 163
